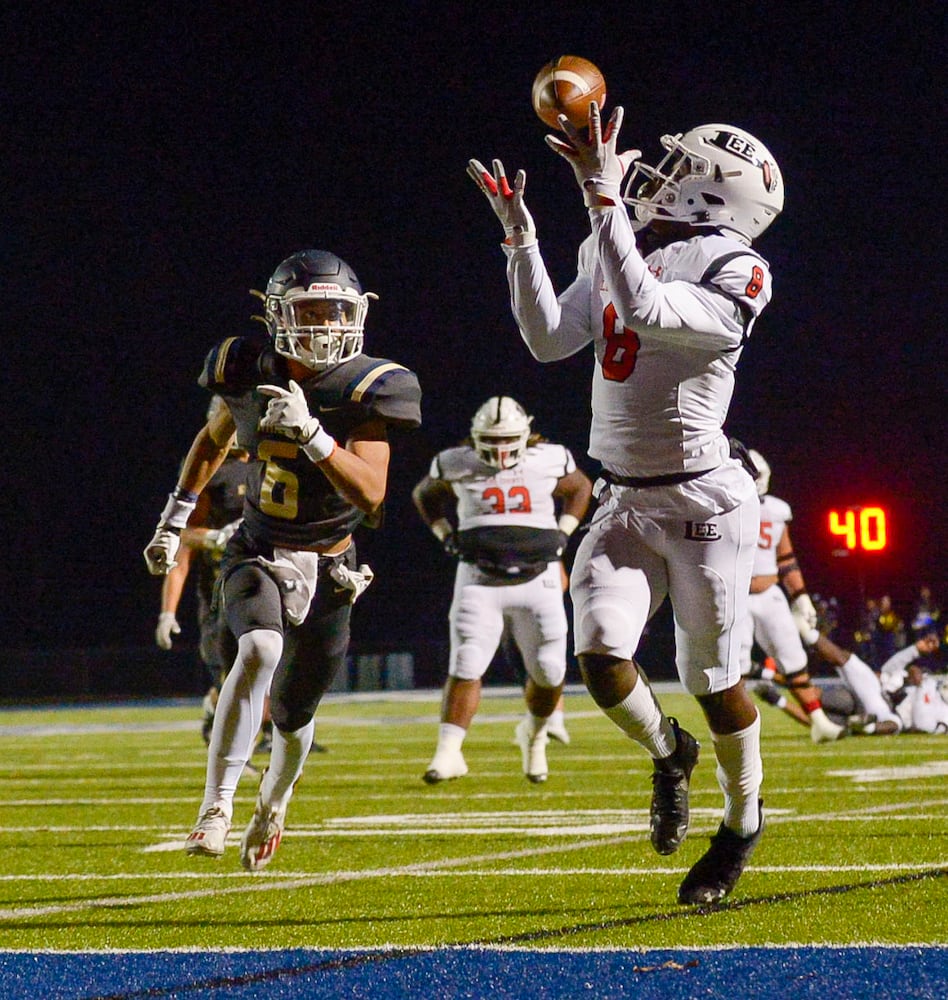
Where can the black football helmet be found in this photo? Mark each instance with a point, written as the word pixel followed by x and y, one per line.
pixel 315 309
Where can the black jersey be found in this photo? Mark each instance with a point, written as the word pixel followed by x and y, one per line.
pixel 289 502
pixel 226 492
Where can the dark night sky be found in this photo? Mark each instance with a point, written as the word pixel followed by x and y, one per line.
pixel 162 164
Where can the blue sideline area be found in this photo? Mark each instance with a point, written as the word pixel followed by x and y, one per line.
pixel 748 973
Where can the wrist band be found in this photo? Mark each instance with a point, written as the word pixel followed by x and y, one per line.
pixel 441 528
pixel 320 446
pixel 567 523
pixel 177 511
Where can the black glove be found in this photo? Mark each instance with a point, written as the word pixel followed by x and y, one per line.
pixel 450 545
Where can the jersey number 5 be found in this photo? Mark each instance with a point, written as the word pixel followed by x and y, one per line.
pixel 622 347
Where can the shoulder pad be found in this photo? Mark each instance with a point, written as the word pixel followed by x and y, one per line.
pixel 455 463
pixel 743 275
pixel 777 508
pixel 387 390
pixel 236 364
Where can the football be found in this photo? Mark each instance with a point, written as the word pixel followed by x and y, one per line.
pixel 565 86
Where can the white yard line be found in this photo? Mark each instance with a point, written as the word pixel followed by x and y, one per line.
pixel 252 883
pixel 536 822
pixel 453 872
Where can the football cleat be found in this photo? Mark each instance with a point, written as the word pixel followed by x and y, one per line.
pixel 445 765
pixel 533 752
pixel 859 724
pixel 668 815
pixel 209 835
pixel 262 836
pixel 716 872
pixel 769 693
pixel 557 730
pixel 822 730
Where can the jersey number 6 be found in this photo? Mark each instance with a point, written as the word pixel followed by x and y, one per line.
pixel 622 347
pixel 279 492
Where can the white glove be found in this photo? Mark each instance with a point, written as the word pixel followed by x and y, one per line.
pixel 167 627
pixel 161 551
pixel 215 540
pixel 598 168
pixel 288 414
pixel 805 617
pixel 506 202
pixel 354 580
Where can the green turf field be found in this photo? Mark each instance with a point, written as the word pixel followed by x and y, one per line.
pixel 97 802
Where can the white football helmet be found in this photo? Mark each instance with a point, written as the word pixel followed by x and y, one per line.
pixel 715 176
pixel 500 430
pixel 943 687
pixel 763 471
pixel 315 309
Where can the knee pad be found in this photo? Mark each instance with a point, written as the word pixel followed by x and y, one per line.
pixel 468 664
pixel 801 679
pixel 260 649
pixel 550 669
pixel 604 625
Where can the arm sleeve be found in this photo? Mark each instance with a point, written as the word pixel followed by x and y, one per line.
pixel 674 311
pixel 552 328
pixel 900 660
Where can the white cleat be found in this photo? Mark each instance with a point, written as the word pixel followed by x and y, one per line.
pixel 446 765
pixel 557 731
pixel 209 835
pixel 533 752
pixel 822 730
pixel 262 837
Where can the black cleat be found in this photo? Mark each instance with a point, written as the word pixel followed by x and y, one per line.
pixel 769 693
pixel 856 725
pixel 716 872
pixel 668 816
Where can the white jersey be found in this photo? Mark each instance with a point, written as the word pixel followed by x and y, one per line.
pixel 927 709
pixel 667 332
pixel 775 514
pixel 518 497
pixel 509 520
pixel 894 672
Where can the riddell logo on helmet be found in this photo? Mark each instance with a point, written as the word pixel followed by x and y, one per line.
pixel 323 286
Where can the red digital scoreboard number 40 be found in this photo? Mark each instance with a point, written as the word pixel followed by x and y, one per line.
pixel 862 529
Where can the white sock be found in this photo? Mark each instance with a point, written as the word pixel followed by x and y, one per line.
pixel 535 724
pixel 740 774
pixel 286 765
pixel 450 737
pixel 639 716
pixel 239 715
